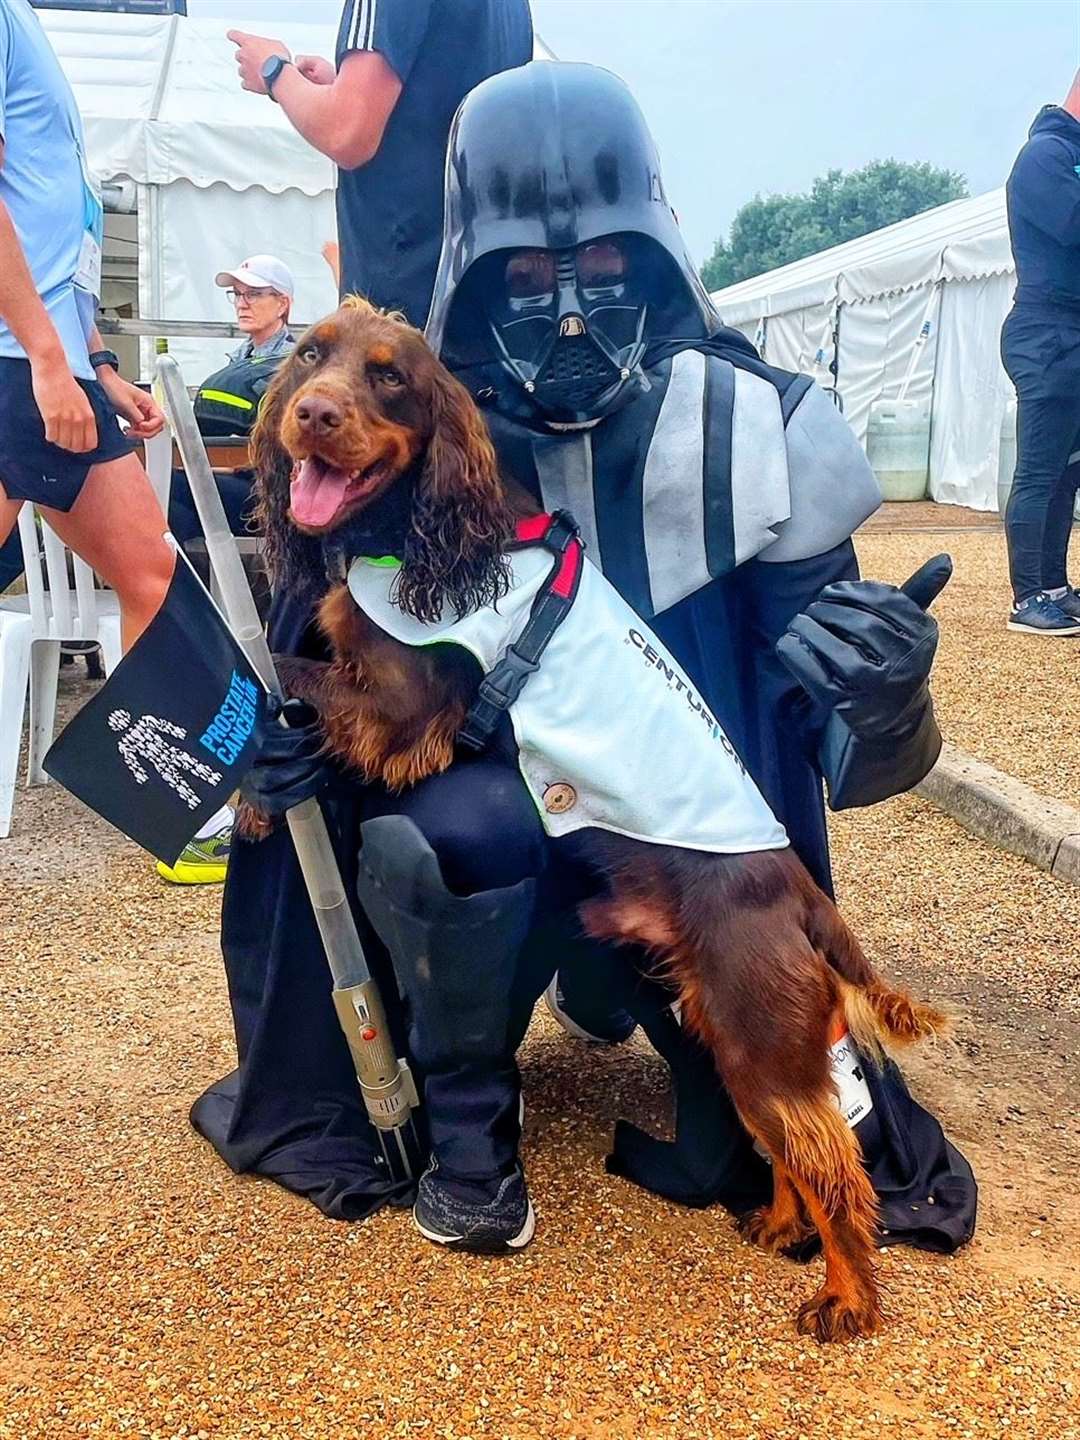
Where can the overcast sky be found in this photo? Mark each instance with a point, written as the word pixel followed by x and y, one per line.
pixel 749 96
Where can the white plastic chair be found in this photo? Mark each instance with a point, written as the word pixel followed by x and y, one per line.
pixel 34 626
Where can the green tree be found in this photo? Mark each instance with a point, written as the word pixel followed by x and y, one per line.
pixel 777 229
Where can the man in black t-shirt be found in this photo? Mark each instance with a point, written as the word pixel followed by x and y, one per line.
pixel 382 112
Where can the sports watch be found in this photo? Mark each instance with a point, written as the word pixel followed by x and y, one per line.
pixel 104 357
pixel 270 69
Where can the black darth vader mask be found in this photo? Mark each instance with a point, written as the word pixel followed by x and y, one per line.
pixel 561 258
pixel 569 325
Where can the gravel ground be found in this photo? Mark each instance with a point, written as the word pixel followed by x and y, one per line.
pixel 146 1291
pixel 1008 698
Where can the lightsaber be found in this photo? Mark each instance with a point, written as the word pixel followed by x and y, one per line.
pixel 386 1084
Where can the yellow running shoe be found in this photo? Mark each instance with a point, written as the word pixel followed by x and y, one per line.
pixel 201 862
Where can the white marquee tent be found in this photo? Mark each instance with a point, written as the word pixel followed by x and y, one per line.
pixel 198 173
pixel 949 268
pixel 201 172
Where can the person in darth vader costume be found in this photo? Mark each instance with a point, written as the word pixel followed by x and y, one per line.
pixel 719 496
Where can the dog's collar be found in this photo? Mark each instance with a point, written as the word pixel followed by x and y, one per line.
pixel 337 559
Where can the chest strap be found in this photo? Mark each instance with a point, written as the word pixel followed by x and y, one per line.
pixel 502 685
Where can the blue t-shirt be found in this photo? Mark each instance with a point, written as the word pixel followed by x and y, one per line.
pixel 42 181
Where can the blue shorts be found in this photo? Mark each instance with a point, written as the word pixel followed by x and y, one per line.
pixel 30 467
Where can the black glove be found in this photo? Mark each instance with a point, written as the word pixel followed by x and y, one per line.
pixel 863 651
pixel 290 763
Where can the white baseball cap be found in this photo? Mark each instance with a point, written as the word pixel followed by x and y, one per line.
pixel 261 272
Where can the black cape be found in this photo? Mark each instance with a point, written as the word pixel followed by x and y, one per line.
pixel 291 1110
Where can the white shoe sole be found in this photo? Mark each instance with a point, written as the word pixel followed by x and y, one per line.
pixel 520 1240
pixel 1072 632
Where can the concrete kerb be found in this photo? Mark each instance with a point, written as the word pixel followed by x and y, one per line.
pixel 1006 812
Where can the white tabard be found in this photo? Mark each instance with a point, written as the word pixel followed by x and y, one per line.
pixel 609 730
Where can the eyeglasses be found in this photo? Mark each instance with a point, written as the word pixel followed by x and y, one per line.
pixel 235 296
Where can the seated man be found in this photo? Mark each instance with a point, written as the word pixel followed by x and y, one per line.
pixel 719 495
pixel 227 402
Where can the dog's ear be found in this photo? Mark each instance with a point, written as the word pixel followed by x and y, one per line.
pixel 461 523
pixel 293 559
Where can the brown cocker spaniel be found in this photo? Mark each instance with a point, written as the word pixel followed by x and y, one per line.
pixel 363 427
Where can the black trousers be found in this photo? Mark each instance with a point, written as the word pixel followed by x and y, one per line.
pixel 1040 349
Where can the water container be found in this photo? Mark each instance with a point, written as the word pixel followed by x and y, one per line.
pixel 1007 460
pixel 898 447
pixel 1006 456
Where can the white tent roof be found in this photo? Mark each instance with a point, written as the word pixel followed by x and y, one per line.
pixel 161 101
pixel 964 240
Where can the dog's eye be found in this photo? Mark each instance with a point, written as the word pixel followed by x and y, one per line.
pixel 387 375
pixel 308 354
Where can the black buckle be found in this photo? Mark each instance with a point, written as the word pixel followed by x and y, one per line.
pixel 561 533
pixel 498 691
pixel 335 560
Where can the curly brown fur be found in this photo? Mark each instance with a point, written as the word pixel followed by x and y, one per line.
pixel 426 434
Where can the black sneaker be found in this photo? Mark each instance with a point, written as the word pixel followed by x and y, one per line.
pixel 484 1219
pixel 611 1028
pixel 1039 615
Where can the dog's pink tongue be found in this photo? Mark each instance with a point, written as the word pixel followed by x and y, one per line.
pixel 317 491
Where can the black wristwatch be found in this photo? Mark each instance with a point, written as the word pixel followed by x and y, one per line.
pixel 270 69
pixel 104 357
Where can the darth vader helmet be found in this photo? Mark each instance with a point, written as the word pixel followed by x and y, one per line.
pixel 562 261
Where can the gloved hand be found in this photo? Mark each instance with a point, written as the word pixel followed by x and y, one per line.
pixel 863 650
pixel 290 763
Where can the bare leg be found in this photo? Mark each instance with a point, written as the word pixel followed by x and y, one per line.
pixel 116 525
pixel 9 513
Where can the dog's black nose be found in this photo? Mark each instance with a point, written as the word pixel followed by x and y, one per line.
pixel 318 414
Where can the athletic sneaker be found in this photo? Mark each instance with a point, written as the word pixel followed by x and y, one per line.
pixel 1039 615
pixel 609 1029
pixel 201 862
pixel 484 1219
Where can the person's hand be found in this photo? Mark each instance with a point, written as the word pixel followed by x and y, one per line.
pixel 863 650
pixel 252 51
pixel 65 409
pixel 331 253
pixel 291 764
pixel 136 406
pixel 315 69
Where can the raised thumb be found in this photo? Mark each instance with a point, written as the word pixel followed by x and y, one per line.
pixel 928 581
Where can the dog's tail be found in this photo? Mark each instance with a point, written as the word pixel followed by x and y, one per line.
pixel 874 1011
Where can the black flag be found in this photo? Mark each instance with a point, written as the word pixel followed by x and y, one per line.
pixel 167 739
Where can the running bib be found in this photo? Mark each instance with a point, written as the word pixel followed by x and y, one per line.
pixel 88 269
pixel 846 1067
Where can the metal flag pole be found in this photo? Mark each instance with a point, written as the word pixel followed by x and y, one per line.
pixel 385 1081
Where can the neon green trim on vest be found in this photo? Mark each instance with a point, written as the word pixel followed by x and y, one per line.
pixel 226 399
pixel 387 562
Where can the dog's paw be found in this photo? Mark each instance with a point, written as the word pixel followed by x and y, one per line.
pixel 250 823
pixel 768 1231
pixel 834 1315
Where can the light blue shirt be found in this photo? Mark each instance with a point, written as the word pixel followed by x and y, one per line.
pixel 42 179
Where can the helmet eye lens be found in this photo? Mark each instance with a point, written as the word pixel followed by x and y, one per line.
pixel 601 265
pixel 529 274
